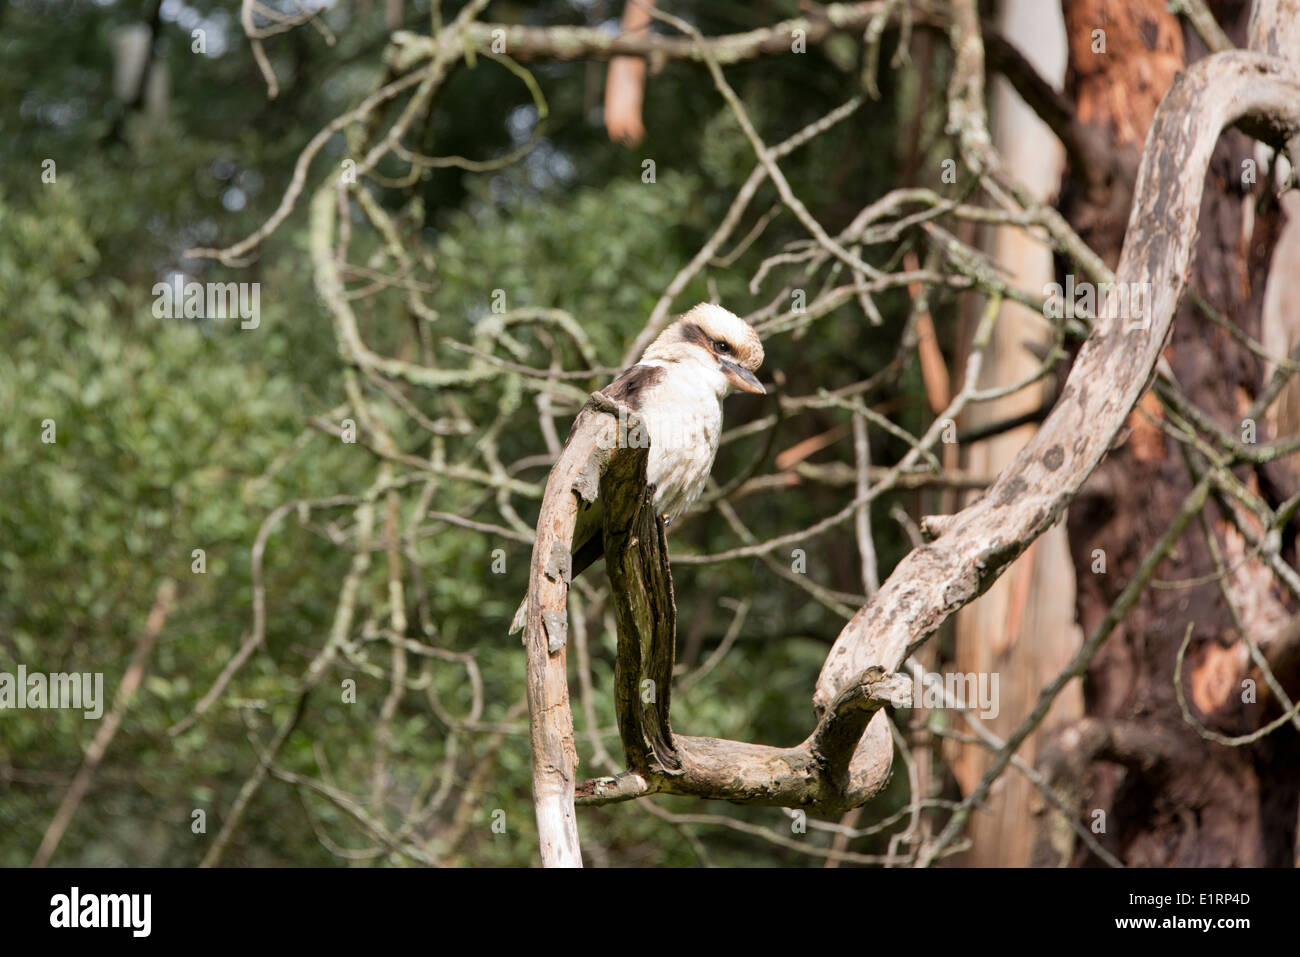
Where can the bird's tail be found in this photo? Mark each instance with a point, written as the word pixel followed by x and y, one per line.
pixel 521 616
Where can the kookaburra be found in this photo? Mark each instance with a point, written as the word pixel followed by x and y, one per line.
pixel 677 390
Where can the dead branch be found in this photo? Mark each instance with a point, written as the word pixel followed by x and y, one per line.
pixel 1111 372
pixel 599 460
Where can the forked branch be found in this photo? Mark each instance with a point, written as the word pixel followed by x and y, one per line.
pixel 605 458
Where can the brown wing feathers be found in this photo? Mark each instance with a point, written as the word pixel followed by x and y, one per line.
pixel 629 388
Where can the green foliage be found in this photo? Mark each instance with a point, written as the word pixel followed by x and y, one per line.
pixel 173 435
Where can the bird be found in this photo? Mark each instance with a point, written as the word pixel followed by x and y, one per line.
pixel 676 388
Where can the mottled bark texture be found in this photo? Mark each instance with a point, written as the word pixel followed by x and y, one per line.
pixel 1112 370
pixel 1169 796
pixel 555 760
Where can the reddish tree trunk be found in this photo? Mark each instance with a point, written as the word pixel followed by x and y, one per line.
pixel 1170 797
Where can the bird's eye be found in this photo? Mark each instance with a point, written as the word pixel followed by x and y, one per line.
pixel 721 347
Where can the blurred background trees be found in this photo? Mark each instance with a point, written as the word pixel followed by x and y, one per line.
pixel 174 435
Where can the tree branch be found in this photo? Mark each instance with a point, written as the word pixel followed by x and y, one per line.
pixel 605 456
pixel 1111 372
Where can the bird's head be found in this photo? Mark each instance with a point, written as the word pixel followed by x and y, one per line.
pixel 724 345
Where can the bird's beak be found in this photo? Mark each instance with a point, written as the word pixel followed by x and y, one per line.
pixel 742 379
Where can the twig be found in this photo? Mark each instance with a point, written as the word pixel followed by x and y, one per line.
pixel 131 679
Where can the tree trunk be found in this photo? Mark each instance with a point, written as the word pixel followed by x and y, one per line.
pixel 1023 629
pixel 1170 797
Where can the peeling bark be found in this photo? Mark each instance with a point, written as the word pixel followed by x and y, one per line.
pixel 1112 370
pixel 1244 798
